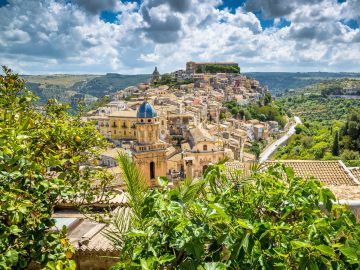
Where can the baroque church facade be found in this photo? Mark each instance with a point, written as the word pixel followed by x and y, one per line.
pixel 149 152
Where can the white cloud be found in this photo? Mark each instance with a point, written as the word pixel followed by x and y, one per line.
pixel 68 37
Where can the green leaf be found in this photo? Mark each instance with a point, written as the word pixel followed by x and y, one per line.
pixel 15 230
pixel 136 233
pixel 245 242
pixel 163 181
pixel 349 252
pixel 289 172
pixel 325 250
pixel 244 223
pixel 299 244
pixel 215 266
pixel 12 257
pixel 166 258
pixel 220 210
pixel 147 264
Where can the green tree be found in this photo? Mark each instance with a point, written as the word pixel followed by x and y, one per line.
pixel 255 149
pixel 335 146
pixel 267 98
pixel 271 220
pixel 40 157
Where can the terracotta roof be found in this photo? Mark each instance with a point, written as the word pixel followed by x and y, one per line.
pixel 87 235
pixel 125 114
pixel 176 157
pixel 113 152
pixel 200 134
pixel 332 172
pixel 345 192
pixel 356 172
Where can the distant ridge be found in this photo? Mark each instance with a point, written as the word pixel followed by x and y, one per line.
pixel 67 87
pixel 279 82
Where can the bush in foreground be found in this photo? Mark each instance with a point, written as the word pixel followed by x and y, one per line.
pixel 271 220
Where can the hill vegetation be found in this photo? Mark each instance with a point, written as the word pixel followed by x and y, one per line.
pixel 328 123
pixel 281 82
pixel 264 110
pixel 71 88
pixel 215 68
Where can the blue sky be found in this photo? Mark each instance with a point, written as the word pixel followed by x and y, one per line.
pixel 129 37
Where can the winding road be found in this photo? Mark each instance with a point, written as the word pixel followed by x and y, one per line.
pixel 272 147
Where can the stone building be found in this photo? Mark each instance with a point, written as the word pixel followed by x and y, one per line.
pixel 155 75
pixel 149 152
pixel 201 151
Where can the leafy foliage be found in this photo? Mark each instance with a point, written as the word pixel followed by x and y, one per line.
pixel 323 118
pixel 217 68
pixel 271 220
pixel 167 79
pixel 269 112
pixel 40 158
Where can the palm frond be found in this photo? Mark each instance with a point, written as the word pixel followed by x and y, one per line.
pixel 135 183
pixel 121 223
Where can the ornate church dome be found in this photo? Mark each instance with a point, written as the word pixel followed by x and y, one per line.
pixel 146 111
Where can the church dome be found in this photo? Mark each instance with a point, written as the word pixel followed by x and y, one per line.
pixel 146 111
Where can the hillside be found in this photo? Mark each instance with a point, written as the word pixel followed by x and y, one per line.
pixel 326 114
pixel 70 88
pixel 280 82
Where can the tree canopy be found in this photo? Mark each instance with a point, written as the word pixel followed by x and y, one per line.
pixel 43 160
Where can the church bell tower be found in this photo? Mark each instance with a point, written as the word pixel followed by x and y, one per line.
pixel 149 152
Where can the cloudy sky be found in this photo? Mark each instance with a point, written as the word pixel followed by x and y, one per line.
pixel 130 37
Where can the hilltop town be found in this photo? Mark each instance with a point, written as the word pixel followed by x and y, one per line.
pixel 178 123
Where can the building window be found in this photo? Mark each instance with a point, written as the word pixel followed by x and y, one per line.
pixel 152 170
pixel 205 147
pixel 114 131
pixel 149 120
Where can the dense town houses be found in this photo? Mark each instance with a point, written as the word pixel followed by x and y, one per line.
pixel 165 128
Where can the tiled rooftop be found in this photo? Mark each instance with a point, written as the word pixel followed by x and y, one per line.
pixel 345 192
pixel 356 172
pixel 332 172
pixel 86 235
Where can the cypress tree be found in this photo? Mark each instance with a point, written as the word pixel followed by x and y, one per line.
pixel 335 147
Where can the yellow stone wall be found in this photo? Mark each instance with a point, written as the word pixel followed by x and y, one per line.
pixel 143 160
pixel 122 128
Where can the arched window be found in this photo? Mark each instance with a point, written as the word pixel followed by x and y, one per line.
pixel 205 147
pixel 152 170
pixel 204 168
